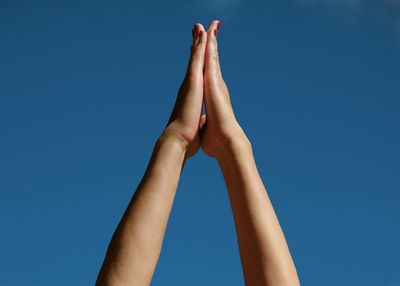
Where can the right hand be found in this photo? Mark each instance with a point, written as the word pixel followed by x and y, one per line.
pixel 219 127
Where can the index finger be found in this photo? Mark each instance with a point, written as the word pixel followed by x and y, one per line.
pixel 212 66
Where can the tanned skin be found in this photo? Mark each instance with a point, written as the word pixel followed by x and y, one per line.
pixel 136 244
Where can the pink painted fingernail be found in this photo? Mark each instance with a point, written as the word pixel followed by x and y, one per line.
pixel 215 32
pixel 218 25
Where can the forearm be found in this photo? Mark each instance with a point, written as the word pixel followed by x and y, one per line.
pixel 264 253
pixel 135 247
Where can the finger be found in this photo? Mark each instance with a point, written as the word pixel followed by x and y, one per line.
pixel 212 66
pixel 194 35
pixel 196 62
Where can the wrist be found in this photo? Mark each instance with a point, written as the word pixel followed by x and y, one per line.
pixel 235 146
pixel 174 139
pixel 168 156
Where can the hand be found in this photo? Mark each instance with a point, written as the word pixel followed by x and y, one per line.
pixel 185 120
pixel 221 129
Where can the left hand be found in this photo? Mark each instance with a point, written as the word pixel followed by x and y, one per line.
pixel 185 120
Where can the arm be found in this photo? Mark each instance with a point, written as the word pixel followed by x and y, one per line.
pixel 136 244
pixel 264 253
pixel 265 257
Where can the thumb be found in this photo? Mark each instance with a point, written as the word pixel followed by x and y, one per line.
pixel 203 120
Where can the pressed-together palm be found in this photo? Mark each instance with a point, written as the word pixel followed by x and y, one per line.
pixel 136 244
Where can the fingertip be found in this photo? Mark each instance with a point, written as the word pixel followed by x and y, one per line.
pixel 198 27
pixel 201 27
pixel 213 29
pixel 198 34
pixel 216 24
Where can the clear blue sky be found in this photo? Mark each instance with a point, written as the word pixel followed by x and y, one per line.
pixel 86 87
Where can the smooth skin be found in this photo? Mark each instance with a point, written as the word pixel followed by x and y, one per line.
pixel 136 244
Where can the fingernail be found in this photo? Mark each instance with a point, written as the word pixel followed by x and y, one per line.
pixel 215 32
pixel 218 25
